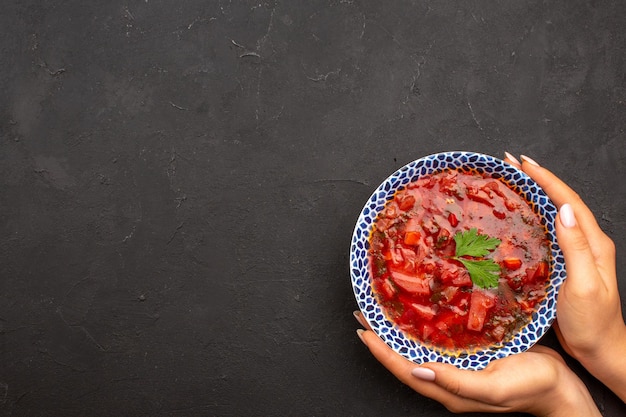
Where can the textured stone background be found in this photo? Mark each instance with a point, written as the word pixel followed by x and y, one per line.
pixel 179 183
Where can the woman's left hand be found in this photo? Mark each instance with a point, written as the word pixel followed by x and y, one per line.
pixel 537 381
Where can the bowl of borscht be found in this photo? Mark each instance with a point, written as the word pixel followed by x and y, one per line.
pixel 454 259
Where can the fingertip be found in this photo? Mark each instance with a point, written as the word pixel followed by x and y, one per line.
pixel 360 333
pixel 512 160
pixel 425 374
pixel 361 319
pixel 529 160
pixel 566 216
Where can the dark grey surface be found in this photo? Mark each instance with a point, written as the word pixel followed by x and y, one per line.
pixel 180 181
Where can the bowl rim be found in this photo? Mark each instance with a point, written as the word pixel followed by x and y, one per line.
pixel 410 348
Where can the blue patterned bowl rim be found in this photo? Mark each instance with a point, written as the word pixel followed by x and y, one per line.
pixel 410 348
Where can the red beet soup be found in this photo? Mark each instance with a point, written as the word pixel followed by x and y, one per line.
pixel 459 260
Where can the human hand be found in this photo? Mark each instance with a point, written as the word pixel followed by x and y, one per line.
pixel 536 382
pixel 590 325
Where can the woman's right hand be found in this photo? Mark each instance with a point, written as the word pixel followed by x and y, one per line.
pixel 590 325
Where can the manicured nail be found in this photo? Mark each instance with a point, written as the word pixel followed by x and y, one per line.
pixel 529 160
pixel 511 158
pixel 359 333
pixel 359 317
pixel 424 374
pixel 566 215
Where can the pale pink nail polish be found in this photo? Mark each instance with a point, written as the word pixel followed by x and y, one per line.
pixel 529 160
pixel 424 374
pixel 511 158
pixel 566 214
pixel 357 315
pixel 359 333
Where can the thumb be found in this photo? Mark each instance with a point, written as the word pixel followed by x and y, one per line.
pixel 473 385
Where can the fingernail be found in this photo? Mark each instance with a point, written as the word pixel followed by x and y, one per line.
pixel 529 160
pixel 359 317
pixel 359 333
pixel 424 374
pixel 511 158
pixel 567 216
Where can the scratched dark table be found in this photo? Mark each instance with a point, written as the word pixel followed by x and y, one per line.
pixel 179 182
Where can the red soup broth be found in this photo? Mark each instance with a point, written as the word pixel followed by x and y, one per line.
pixel 431 296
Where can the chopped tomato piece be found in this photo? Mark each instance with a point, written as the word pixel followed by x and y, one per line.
pixel 412 238
pixel 480 303
pixel 541 272
pixel 411 283
pixel 407 202
pixel 454 222
pixel 472 194
pixel 492 186
pixel 512 263
pixel 499 214
pixel 538 274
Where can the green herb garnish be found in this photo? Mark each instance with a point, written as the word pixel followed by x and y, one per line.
pixel 483 272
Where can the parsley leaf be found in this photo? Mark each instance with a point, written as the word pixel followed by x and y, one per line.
pixel 470 243
pixel 484 272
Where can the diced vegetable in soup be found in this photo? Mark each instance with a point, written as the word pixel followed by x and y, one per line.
pixel 459 261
